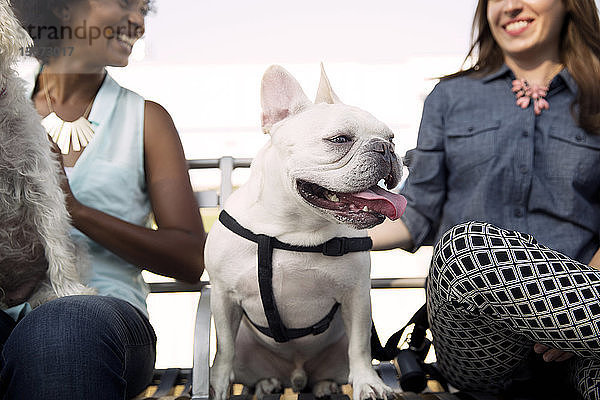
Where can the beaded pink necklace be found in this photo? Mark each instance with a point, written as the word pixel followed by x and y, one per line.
pixel 526 92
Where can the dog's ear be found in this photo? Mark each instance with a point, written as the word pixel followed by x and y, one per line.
pixel 325 93
pixel 281 96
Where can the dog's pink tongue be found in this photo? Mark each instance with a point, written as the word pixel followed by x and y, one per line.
pixel 390 204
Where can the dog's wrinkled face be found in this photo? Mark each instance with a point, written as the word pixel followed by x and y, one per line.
pixel 334 155
pixel 13 38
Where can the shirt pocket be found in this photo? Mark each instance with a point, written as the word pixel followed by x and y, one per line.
pixel 575 157
pixel 470 145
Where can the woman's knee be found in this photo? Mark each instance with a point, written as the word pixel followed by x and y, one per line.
pixel 71 326
pixel 476 256
pixel 461 239
pixel 93 340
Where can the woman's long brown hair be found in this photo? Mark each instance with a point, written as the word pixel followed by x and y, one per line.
pixel 579 51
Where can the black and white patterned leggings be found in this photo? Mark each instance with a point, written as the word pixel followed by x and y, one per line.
pixel 492 294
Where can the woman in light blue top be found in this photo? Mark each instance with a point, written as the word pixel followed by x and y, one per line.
pixel 124 161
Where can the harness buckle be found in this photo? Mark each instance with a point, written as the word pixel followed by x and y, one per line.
pixel 335 247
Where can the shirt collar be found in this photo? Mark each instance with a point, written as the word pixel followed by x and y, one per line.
pixel 568 79
pixel 105 101
pixel 499 73
pixel 504 70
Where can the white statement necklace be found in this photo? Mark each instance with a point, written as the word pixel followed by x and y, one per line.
pixel 77 133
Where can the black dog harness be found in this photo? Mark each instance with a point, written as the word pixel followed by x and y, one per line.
pixel 335 247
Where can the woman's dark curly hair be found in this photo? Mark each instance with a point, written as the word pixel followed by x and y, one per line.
pixel 39 19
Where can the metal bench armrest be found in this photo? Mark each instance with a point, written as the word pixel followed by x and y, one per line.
pixel 200 371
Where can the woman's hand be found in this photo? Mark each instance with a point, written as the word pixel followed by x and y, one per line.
pixel 595 261
pixel 550 354
pixel 391 235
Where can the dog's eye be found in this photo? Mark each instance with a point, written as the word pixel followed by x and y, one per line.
pixel 340 139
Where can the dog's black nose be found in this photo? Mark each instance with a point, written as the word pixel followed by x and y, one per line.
pixel 387 162
pixel 384 148
pixel 381 147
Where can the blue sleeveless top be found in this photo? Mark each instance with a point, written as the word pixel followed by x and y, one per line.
pixel 109 176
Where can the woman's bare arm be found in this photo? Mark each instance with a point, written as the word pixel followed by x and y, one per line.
pixel 391 235
pixel 176 249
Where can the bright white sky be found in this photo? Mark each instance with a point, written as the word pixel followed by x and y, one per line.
pixel 256 31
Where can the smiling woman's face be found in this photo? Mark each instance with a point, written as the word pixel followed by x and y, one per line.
pixel 111 28
pixel 526 28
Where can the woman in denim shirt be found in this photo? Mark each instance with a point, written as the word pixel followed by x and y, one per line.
pixel 513 142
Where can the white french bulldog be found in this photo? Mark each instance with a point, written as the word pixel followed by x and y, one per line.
pixel 315 179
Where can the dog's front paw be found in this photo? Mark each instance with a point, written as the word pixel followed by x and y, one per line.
pixel 370 386
pixel 219 384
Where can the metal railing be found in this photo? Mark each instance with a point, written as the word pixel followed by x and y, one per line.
pixel 226 165
pixel 376 283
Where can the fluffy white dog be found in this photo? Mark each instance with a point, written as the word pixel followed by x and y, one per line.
pixel 314 181
pixel 38 261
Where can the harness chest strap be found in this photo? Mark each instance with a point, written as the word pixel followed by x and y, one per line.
pixel 335 247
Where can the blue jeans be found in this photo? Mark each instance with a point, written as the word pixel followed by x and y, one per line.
pixel 79 347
